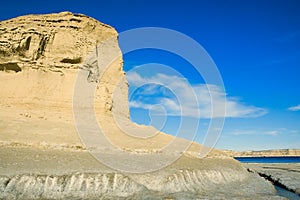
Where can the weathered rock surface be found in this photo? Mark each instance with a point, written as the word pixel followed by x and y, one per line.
pixel 275 152
pixel 55 174
pixel 56 40
pixel 46 51
pixel 41 155
pixel 287 175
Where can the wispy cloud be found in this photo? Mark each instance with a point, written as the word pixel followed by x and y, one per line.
pixel 295 131
pixel 254 132
pixel 294 108
pixel 179 98
pixel 264 132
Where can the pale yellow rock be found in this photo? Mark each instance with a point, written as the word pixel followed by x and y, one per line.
pixel 50 50
pixel 265 153
pixel 47 52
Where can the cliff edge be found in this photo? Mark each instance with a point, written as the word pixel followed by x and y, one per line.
pixel 265 153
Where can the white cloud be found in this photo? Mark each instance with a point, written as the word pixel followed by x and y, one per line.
pixel 255 132
pixel 275 132
pixel 179 98
pixel 294 131
pixel 138 104
pixel 294 108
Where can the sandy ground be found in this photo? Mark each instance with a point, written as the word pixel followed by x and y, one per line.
pixel 24 160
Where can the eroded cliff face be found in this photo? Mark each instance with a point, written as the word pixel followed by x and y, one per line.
pixel 40 56
pixel 56 38
pixel 275 152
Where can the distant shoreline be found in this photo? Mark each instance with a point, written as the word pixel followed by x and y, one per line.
pixel 267 156
pixel 265 153
pixel 269 159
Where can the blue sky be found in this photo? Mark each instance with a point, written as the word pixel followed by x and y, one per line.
pixel 255 45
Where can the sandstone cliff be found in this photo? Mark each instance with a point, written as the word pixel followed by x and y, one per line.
pixel 265 153
pixel 41 153
pixel 45 51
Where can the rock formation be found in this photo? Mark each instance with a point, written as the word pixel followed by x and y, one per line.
pixel 47 50
pixel 284 175
pixel 41 154
pixel 265 153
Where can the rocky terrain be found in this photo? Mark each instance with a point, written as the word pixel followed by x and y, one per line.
pixel 284 175
pixel 275 152
pixel 42 156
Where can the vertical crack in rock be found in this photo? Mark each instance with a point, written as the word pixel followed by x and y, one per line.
pixel 42 46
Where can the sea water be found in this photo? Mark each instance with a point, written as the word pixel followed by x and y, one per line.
pixel 273 159
pixel 287 194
